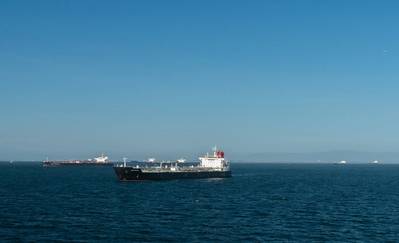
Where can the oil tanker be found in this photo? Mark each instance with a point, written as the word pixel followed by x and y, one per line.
pixel 209 166
pixel 97 161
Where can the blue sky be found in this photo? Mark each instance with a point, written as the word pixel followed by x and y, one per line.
pixel 173 78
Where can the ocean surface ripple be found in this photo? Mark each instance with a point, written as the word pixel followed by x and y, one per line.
pixel 260 203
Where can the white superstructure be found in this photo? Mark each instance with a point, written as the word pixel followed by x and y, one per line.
pixel 102 159
pixel 181 160
pixel 216 161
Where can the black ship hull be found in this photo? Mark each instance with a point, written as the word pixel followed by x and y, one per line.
pixel 56 164
pixel 136 174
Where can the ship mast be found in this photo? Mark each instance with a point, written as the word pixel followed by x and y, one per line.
pixel 215 151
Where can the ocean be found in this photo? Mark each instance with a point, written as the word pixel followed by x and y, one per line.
pixel 260 203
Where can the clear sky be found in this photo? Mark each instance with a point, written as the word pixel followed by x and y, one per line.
pixel 174 78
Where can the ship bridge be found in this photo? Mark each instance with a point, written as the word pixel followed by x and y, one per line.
pixel 216 160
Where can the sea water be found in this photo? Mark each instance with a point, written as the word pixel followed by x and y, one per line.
pixel 261 202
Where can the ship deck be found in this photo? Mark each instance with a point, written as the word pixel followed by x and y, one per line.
pixel 173 169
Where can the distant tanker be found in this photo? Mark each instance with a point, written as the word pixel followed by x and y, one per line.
pixel 101 160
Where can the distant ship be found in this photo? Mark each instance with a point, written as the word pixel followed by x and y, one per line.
pixel 375 162
pixel 214 166
pixel 342 162
pixel 97 161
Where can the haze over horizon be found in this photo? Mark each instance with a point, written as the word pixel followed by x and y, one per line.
pixel 266 80
pixel 264 157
